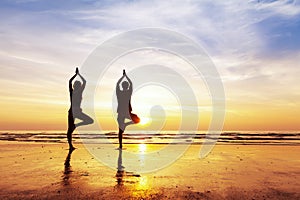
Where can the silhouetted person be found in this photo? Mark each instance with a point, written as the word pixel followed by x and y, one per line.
pixel 75 110
pixel 68 169
pixel 124 106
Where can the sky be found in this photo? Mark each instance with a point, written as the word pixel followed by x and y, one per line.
pixel 255 46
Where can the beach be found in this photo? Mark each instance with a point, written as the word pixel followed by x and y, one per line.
pixel 47 171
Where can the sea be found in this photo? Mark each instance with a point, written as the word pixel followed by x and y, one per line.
pixel 157 137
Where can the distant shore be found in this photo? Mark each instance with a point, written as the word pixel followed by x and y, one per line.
pixel 39 171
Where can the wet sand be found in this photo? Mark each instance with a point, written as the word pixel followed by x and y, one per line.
pixel 38 171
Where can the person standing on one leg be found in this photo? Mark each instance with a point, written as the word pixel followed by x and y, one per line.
pixel 124 106
pixel 75 110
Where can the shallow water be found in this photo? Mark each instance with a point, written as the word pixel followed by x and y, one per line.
pixel 155 137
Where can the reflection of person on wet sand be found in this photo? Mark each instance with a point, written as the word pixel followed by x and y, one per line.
pixel 120 172
pixel 124 106
pixel 75 110
pixel 68 169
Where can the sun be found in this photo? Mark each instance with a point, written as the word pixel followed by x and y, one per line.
pixel 144 121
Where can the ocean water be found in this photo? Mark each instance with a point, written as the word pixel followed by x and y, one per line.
pixel 156 137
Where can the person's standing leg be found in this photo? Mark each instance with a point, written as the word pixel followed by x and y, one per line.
pixel 121 130
pixel 120 135
pixel 71 128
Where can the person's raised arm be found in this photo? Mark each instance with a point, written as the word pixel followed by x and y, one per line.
pixel 130 83
pixel 119 81
pixel 71 79
pixel 118 84
pixel 83 81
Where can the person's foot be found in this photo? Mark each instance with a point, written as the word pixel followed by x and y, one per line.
pixel 72 148
pixel 121 148
pixel 129 123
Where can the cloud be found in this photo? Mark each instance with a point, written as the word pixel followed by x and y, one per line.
pixel 218 26
pixel 285 8
pixel 221 27
pixel 264 81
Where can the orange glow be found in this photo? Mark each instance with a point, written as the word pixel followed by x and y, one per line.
pixel 50 113
pixel 144 121
pixel 21 116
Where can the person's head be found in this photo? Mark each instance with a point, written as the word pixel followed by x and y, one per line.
pixel 77 85
pixel 125 85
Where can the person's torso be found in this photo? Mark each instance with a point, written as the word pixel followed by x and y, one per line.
pixel 124 101
pixel 76 99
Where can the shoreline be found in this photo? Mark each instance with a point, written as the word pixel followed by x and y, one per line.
pixel 279 143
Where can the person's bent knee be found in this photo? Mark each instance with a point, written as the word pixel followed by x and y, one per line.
pixel 90 121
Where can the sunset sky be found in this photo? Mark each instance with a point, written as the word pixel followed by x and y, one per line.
pixel 255 46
